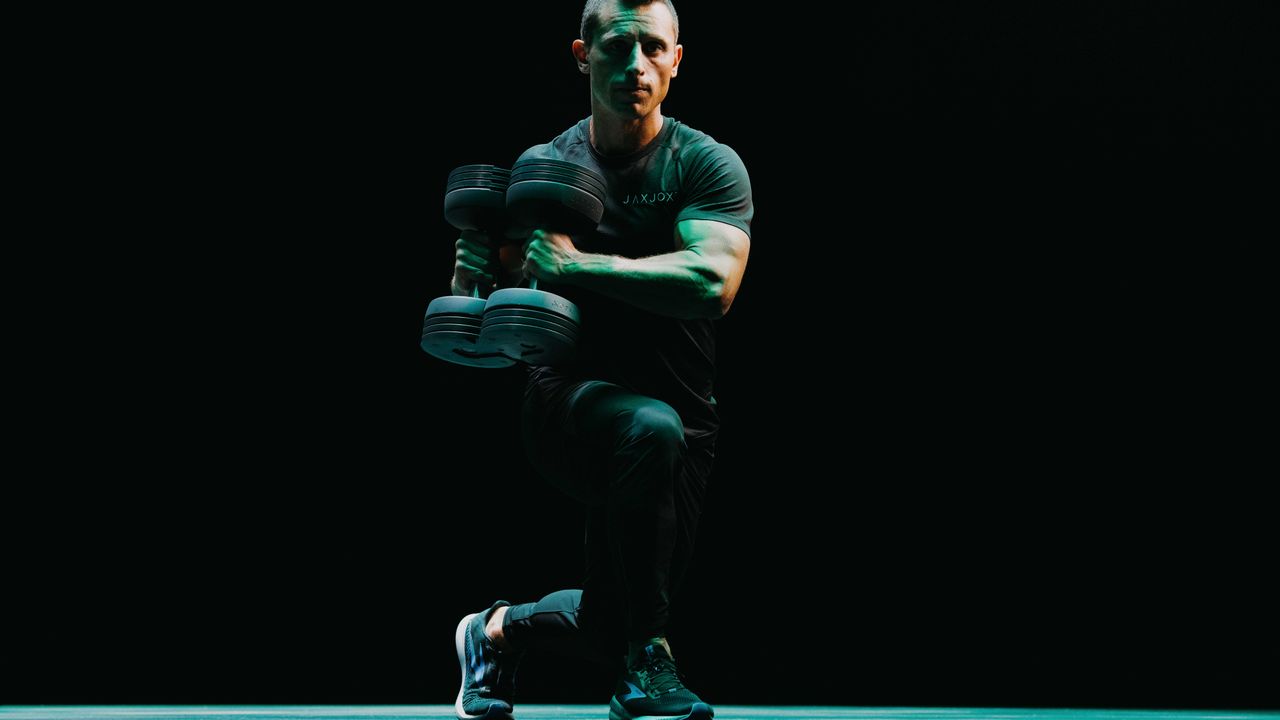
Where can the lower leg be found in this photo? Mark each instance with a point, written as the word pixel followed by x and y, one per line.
pixel 663 545
pixel 494 629
pixel 556 623
pixel 635 647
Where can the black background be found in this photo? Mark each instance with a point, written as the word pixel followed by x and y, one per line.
pixel 991 391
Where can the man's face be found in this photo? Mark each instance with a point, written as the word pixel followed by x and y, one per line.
pixel 632 59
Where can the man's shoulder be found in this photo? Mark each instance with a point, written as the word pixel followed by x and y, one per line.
pixel 693 144
pixel 689 136
pixel 564 146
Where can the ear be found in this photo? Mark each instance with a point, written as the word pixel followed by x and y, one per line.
pixel 675 67
pixel 580 54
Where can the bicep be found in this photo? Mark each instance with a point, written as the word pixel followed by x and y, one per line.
pixel 722 246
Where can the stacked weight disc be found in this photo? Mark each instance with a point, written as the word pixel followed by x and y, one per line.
pixel 532 326
pixel 451 331
pixel 475 199
pixel 555 195
pixel 527 324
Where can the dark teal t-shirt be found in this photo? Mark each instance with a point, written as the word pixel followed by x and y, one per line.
pixel 682 174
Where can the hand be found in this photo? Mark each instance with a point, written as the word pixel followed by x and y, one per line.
pixel 547 255
pixel 475 264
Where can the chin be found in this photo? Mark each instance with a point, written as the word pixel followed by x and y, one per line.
pixel 635 112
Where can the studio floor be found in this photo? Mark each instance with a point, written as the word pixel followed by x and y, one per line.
pixel 579 712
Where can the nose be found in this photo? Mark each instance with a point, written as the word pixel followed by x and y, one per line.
pixel 635 61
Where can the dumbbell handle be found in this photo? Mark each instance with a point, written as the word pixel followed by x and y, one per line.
pixel 530 281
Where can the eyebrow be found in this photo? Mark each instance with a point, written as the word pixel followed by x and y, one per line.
pixel 644 37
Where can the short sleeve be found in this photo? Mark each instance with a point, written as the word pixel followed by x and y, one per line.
pixel 716 187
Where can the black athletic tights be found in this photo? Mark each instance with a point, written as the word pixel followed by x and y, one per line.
pixel 625 457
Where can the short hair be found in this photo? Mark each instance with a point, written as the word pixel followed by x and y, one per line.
pixel 591 16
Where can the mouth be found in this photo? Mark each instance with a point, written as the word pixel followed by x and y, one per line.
pixel 631 90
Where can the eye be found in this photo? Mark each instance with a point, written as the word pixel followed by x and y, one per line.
pixel 653 48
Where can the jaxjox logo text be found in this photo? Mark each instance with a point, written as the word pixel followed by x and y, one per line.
pixel 649 198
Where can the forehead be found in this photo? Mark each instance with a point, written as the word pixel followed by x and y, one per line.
pixel 652 20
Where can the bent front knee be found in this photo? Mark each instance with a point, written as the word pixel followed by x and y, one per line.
pixel 657 427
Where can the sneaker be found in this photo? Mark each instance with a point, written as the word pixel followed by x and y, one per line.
pixel 651 689
pixel 488 675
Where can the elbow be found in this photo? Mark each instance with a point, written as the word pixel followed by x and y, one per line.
pixel 718 288
pixel 719 299
pixel 723 300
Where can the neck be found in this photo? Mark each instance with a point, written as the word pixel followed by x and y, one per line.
pixel 613 135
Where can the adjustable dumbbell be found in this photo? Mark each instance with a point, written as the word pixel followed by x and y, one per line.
pixel 524 323
pixel 475 199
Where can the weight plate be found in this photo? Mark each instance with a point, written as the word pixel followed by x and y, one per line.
pixel 461 173
pixel 553 205
pixel 591 190
pixel 459 304
pixel 535 299
pixel 453 318
pixel 477 183
pixel 528 344
pixel 480 174
pixel 474 208
pixel 570 333
pixel 451 327
pixel 487 169
pixel 514 329
pixel 577 179
pixel 565 165
pixel 498 315
pixel 462 348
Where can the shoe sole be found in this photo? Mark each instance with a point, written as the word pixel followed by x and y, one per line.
pixel 460 643
pixel 699 711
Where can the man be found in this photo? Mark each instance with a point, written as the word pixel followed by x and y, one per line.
pixel 629 428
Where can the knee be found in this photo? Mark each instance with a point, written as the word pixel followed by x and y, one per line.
pixel 656 427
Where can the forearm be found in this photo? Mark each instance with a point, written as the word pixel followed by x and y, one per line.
pixel 680 284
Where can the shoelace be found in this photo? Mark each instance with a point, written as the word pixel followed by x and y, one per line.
pixel 660 672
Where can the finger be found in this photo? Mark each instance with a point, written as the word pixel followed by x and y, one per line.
pixel 473 276
pixel 534 236
pixel 470 258
pixel 480 261
pixel 468 255
pixel 473 247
